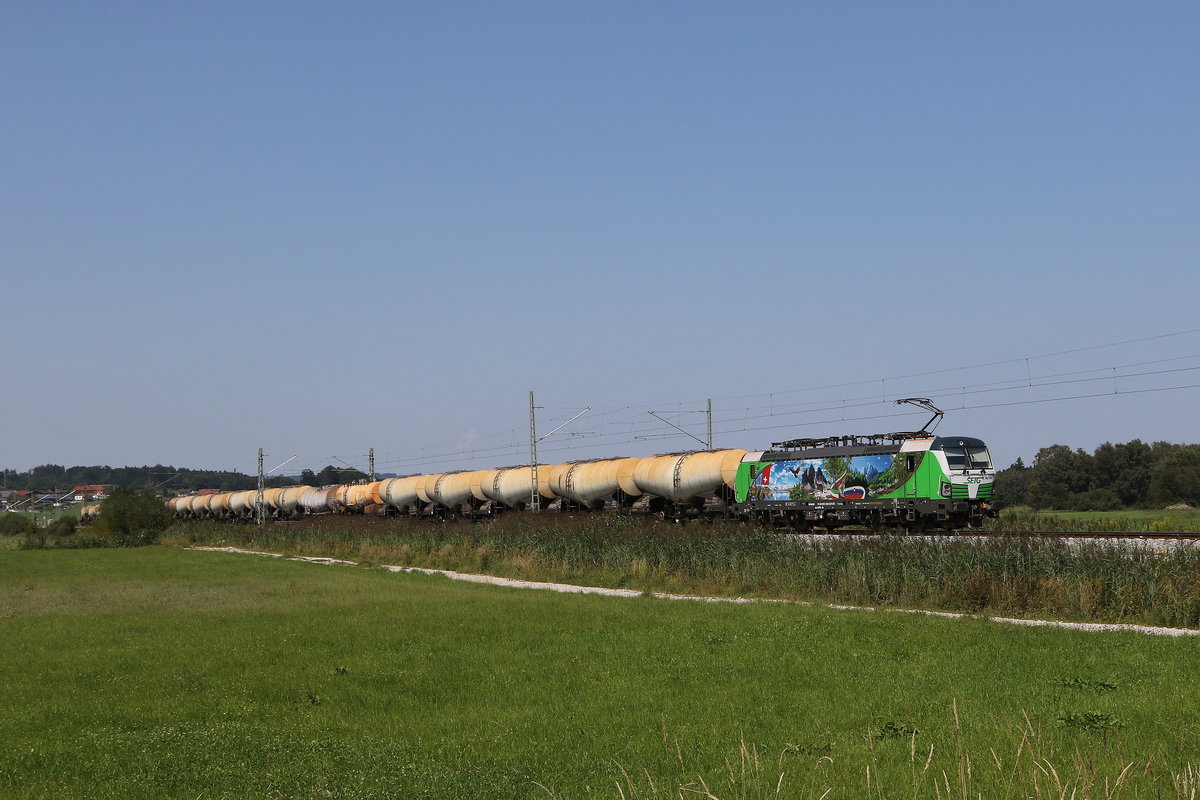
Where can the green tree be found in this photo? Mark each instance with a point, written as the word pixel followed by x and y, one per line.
pixel 1098 499
pixel 331 475
pixel 16 525
pixel 1058 473
pixel 1012 484
pixel 1125 469
pixel 130 519
pixel 63 526
pixel 1176 477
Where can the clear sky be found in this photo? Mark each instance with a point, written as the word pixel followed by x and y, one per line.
pixel 319 228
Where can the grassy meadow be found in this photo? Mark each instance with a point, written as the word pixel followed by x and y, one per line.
pixel 1163 520
pixel 161 672
pixel 45 515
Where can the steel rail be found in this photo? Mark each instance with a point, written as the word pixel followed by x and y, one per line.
pixel 967 533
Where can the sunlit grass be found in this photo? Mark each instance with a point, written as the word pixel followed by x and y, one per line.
pixel 1020 519
pixel 160 672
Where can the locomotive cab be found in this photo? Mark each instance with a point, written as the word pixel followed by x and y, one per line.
pixel 967 468
pixel 964 454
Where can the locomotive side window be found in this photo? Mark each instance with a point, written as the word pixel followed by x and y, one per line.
pixel 911 463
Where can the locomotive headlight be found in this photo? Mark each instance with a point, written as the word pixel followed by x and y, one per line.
pixel 945 490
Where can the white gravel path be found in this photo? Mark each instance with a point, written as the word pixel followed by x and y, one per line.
pixel 601 590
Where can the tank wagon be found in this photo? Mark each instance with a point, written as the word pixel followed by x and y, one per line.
pixel 911 481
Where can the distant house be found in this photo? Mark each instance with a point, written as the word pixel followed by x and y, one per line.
pixel 94 492
pixel 13 497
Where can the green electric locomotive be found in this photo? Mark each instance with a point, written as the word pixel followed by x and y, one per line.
pixel 912 481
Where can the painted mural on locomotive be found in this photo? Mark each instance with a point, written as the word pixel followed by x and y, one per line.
pixel 835 478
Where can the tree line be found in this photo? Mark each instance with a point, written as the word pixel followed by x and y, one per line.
pixel 1114 476
pixel 160 479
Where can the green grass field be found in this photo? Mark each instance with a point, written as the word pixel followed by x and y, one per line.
pixel 159 672
pixel 45 515
pixel 1126 520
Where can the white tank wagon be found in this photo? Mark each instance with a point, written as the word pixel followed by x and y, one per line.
pixel 218 505
pixel 183 506
pixel 442 492
pixel 400 493
pixel 241 504
pixel 271 500
pixel 481 478
pixel 200 505
pixel 452 489
pixel 332 493
pixel 513 486
pixel 425 484
pixel 591 484
pixel 287 500
pixel 314 501
pixel 689 479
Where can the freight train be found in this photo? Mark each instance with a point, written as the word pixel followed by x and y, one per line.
pixel 906 481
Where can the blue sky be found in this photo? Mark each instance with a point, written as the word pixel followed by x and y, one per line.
pixel 319 228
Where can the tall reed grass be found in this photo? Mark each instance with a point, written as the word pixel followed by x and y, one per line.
pixel 1015 575
pixel 904 763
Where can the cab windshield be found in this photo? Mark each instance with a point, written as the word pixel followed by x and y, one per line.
pixel 968 458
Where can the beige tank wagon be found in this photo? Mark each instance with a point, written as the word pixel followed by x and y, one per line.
pixel 400 494
pixel 241 504
pixel 689 479
pixel 593 483
pixel 452 489
pixel 513 486
pixel 218 505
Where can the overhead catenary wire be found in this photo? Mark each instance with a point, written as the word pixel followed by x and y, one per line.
pixel 730 427
pixel 629 424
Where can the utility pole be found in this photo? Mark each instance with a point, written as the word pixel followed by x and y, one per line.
pixel 259 508
pixel 710 443
pixel 371 460
pixel 535 501
pixel 535 498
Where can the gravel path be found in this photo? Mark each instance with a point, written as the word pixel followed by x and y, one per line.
pixel 573 589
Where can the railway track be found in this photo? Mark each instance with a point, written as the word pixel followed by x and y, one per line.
pixel 1123 535
pixel 967 533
